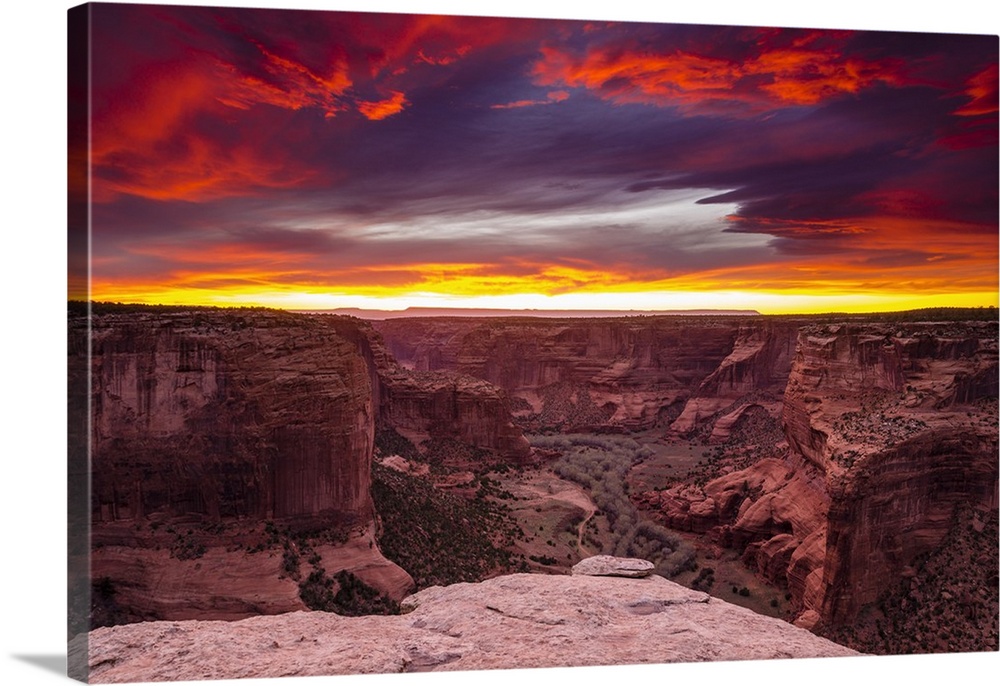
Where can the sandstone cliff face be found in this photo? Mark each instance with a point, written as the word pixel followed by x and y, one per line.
pixel 856 389
pixel 757 367
pixel 226 414
pixel 424 405
pixel 897 426
pixel 574 374
pixel 518 621
pixel 205 424
pixel 891 429
pixel 900 503
pixel 208 423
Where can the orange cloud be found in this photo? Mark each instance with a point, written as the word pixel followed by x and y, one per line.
pixel 978 128
pixel 147 142
pixel 291 85
pixel 805 77
pixel 446 58
pixel 982 92
pixel 772 78
pixel 552 97
pixel 380 109
pixel 955 280
pixel 437 40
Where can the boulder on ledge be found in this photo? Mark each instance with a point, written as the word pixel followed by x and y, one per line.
pixel 608 565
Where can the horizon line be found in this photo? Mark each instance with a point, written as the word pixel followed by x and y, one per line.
pixel 469 312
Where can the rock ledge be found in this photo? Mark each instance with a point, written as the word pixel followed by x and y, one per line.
pixel 517 621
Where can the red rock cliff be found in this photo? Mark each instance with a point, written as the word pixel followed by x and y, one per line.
pixel 574 373
pixel 227 414
pixel 438 404
pixel 891 428
pixel 214 432
pixel 901 422
pixel 757 368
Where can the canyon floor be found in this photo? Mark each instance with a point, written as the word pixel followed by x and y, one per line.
pixel 560 524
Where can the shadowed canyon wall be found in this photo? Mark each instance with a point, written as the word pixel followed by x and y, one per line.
pixel 623 373
pixel 226 415
pixel 213 430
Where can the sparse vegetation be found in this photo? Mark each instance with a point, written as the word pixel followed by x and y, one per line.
pixel 186 546
pixel 352 596
pixel 441 538
pixel 947 603
pixel 601 464
pixel 705 579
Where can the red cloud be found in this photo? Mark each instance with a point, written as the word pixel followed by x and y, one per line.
pixel 290 85
pixel 381 109
pixel 769 78
pixel 147 142
pixel 982 92
pixel 174 123
pixel 552 97
pixel 394 41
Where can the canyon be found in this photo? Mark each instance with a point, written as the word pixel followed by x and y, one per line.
pixel 888 429
pixel 257 462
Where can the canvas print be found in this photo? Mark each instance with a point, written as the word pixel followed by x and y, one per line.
pixel 403 343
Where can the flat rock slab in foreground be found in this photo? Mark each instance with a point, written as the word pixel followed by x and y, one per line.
pixel 608 565
pixel 522 620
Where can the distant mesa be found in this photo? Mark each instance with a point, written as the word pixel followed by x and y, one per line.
pixel 380 315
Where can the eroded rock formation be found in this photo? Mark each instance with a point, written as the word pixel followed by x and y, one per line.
pixel 757 368
pixel 888 429
pixel 891 430
pixel 444 405
pixel 624 373
pixel 219 436
pixel 228 414
pixel 423 405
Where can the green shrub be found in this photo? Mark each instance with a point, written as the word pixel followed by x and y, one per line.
pixel 352 598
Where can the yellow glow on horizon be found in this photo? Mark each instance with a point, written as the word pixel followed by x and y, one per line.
pixel 765 302
pixel 796 288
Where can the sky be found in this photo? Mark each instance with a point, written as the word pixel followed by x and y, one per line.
pixel 320 160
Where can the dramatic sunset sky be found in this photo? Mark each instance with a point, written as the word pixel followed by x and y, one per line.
pixel 321 160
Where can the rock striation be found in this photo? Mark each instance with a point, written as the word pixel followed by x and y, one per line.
pixel 438 405
pixel 214 430
pixel 223 414
pixel 517 621
pixel 757 368
pixel 206 416
pixel 442 405
pixel 617 373
pixel 211 430
pixel 901 424
pixel 891 430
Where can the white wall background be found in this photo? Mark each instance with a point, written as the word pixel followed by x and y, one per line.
pixel 32 330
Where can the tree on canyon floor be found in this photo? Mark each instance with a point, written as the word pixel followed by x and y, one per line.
pixel 441 538
pixel 601 465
